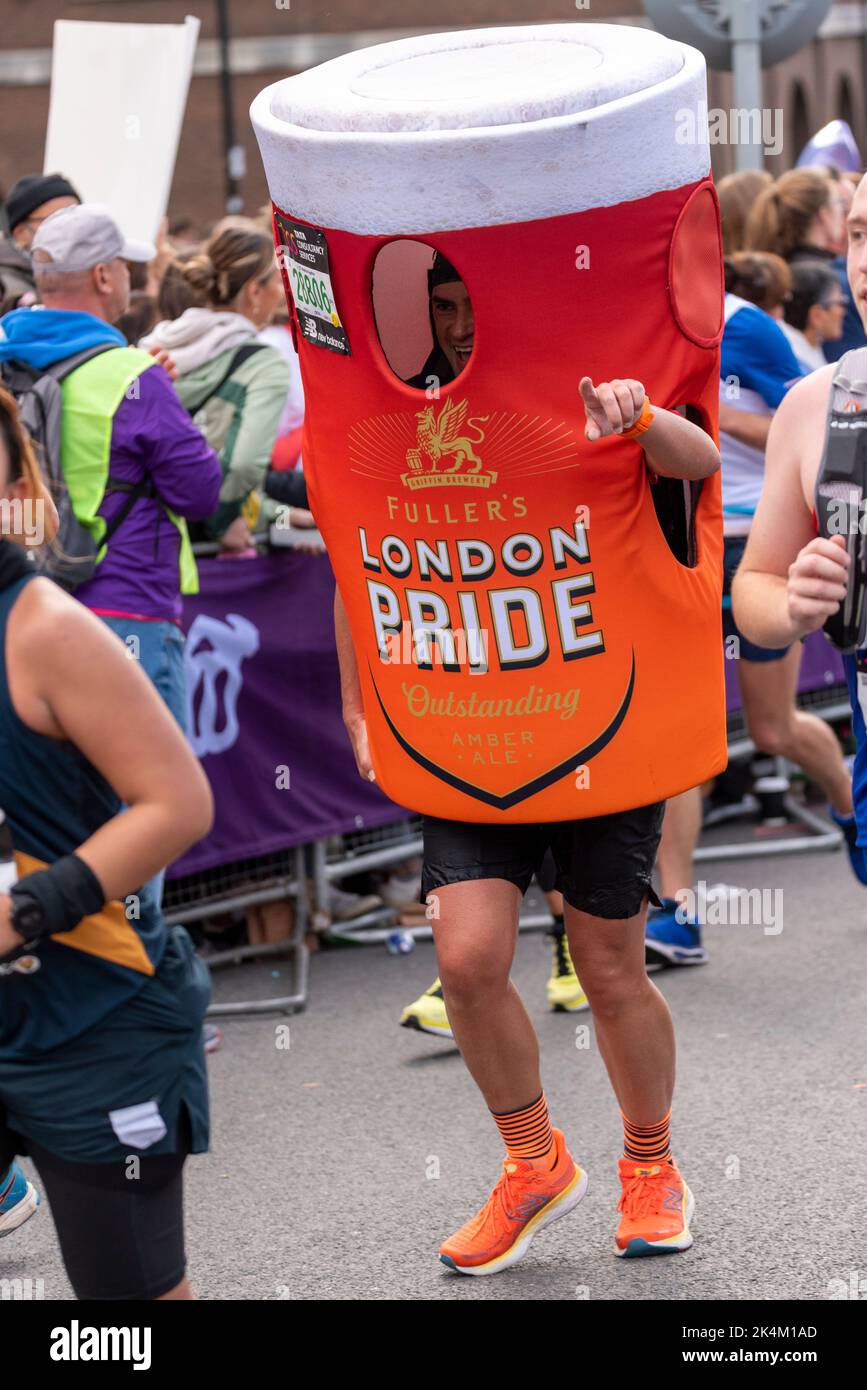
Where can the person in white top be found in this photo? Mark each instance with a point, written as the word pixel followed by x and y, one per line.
pixel 814 312
pixel 757 369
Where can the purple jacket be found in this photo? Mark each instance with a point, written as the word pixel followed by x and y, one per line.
pixel 152 434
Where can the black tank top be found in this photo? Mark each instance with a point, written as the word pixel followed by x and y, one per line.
pixel 54 800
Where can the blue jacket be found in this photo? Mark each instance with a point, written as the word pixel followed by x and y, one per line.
pixel 39 337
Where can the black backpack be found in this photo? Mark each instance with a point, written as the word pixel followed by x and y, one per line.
pixel 70 559
pixel 841 493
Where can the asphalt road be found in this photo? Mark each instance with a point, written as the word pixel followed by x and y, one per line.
pixel 339 1164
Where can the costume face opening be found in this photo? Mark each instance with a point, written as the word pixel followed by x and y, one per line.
pixel 424 315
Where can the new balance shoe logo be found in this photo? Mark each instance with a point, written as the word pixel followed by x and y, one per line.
pixel 527 1207
pixel 673 1199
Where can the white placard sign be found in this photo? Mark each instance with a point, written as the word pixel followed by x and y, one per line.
pixel 118 93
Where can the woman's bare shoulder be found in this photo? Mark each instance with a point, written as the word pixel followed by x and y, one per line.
pixel 46 618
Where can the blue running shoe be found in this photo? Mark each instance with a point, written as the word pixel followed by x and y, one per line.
pixel 18 1200
pixel 668 941
pixel 857 855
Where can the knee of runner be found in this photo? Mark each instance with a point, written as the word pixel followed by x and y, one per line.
pixel 469 976
pixel 771 736
pixel 611 987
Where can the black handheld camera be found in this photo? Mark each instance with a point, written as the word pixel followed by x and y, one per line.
pixel 841 508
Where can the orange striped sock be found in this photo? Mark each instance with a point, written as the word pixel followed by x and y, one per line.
pixel 647 1143
pixel 527 1132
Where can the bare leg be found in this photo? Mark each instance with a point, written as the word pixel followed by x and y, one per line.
pixel 633 1023
pixel 180 1291
pixel 680 832
pixel 475 927
pixel 555 902
pixel 777 727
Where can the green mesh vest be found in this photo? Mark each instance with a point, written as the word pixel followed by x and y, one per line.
pixel 91 395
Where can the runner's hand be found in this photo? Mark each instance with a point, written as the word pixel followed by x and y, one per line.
pixel 9 939
pixel 237 536
pixel 165 360
pixel 303 519
pixel 611 407
pixel 356 727
pixel 816 585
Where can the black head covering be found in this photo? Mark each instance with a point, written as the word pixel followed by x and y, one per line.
pixel 437 364
pixel 32 191
pixel 440 272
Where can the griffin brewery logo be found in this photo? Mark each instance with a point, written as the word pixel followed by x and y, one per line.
pixel 444 446
pixel 438 438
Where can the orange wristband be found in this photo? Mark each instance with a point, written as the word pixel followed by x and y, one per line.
pixel 642 423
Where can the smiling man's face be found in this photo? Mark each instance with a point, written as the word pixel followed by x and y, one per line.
pixel 453 321
pixel 856 258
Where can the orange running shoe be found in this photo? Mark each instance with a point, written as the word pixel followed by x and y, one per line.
pixel 656 1207
pixel 527 1198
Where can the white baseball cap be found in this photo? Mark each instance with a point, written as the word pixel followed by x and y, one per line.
pixel 83 236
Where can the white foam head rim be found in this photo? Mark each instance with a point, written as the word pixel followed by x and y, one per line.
pixel 382 141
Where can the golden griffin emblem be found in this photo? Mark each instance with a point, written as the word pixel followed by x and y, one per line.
pixel 439 439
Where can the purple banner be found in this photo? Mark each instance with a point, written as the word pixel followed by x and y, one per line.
pixel 264 711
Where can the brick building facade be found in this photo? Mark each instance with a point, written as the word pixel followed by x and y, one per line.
pixel 272 38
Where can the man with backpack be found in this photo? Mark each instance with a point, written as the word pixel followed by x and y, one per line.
pixel 126 464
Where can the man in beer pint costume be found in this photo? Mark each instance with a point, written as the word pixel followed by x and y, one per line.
pixel 510 604
pixel 451 320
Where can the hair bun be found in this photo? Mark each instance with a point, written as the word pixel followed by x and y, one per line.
pixel 199 271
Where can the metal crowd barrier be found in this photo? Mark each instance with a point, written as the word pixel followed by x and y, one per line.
pixel 377 848
pixel 205 549
pixel 272 878
pixel 830 704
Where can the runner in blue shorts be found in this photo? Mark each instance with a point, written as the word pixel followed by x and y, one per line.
pixel 791 580
pixel 758 364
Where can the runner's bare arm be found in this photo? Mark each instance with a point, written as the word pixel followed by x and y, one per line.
pixel 350 686
pixel 790 580
pixel 71 678
pixel 674 447
pixel 744 426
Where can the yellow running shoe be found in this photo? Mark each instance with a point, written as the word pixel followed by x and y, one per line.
pixel 527 1198
pixel 565 994
pixel 428 1013
pixel 656 1208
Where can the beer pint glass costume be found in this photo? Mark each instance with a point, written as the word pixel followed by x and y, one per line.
pixel 529 646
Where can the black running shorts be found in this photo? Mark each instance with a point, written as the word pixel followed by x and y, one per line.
pixel 116 1199
pixel 121 1231
pixel 603 865
pixel 547 874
